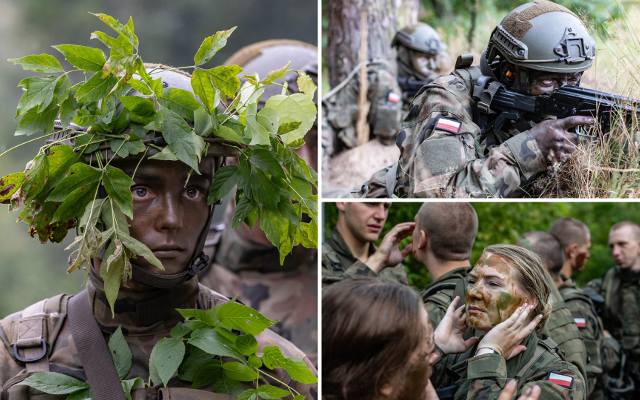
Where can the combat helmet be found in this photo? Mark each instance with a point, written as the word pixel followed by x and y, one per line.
pixel 540 36
pixel 417 41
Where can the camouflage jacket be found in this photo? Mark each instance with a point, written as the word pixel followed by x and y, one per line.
pixel 338 263
pixel 440 293
pixel 251 273
pixel 561 327
pixel 589 326
pixel 621 292
pixel 484 376
pixel 144 317
pixel 340 108
pixel 445 153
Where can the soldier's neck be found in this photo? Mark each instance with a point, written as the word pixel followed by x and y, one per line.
pixel 359 249
pixel 566 269
pixel 141 309
pixel 437 267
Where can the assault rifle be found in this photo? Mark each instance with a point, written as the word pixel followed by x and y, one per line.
pixel 494 98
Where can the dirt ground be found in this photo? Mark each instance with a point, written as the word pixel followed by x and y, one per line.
pixel 350 169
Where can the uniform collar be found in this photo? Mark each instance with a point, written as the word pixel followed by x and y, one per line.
pixel 340 246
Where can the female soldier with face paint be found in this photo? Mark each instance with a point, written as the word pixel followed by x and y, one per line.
pixel 506 300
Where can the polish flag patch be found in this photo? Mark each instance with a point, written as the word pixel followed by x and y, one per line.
pixel 561 380
pixel 448 125
pixel 393 98
pixel 580 322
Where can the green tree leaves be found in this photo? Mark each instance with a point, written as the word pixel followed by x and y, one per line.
pixel 166 357
pixel 211 45
pixel 82 57
pixel 54 383
pixel 43 63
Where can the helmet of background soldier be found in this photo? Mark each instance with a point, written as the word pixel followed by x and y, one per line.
pixel 538 36
pixel 217 148
pixel 417 48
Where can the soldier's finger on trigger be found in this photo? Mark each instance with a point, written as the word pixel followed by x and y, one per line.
pixel 577 120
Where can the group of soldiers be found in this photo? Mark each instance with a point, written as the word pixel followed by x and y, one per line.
pixel 595 328
pixel 452 142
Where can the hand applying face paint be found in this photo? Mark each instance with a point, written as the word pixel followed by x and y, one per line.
pixel 448 336
pixel 389 252
pixel 505 338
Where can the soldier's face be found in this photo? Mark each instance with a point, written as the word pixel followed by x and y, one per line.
pixel 545 83
pixel 422 63
pixel 625 247
pixel 582 256
pixel 493 292
pixel 364 220
pixel 169 210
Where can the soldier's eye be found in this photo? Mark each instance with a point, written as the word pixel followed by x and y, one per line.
pixel 139 191
pixel 193 192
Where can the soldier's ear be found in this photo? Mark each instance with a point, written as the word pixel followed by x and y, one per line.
pixel 423 240
pixel 340 206
pixel 570 251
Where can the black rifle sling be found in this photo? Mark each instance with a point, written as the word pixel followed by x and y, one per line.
pixel 92 350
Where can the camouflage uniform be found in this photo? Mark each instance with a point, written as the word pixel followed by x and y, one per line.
pixel 338 263
pixel 251 273
pixel 440 293
pixel 145 317
pixel 590 328
pixel 444 153
pixel 340 108
pixel 484 376
pixel 621 291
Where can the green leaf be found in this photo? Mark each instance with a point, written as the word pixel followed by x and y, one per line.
pixel 208 374
pixel 224 180
pixel 298 371
pixel 112 271
pixel 181 101
pixel 140 86
pixel 276 74
pixel 142 111
pixel 245 319
pixel 54 383
pixel 165 359
pixel 254 361
pixel 180 330
pixel 44 63
pixel 203 122
pixel 82 57
pixel 36 177
pixel 185 144
pixel 246 344
pixel 130 385
pixel 249 394
pixel 68 110
pixel 306 84
pixel 74 204
pixel 60 159
pixel 297 107
pixel 38 92
pixel 265 160
pixel 206 316
pixel 271 392
pixel 81 395
pixel 140 249
pixel 124 31
pixel 258 133
pixel 80 174
pixel 239 372
pixel 37 122
pixel 204 88
pixel 120 352
pixel 91 213
pixel 9 185
pixel 225 78
pixel 210 342
pixel 96 88
pixel 229 134
pixel 166 155
pixel 118 187
pixel 211 45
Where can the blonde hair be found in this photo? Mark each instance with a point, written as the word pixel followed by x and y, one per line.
pixel 532 276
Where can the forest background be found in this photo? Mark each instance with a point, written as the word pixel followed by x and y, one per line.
pixel 506 222
pixel 170 32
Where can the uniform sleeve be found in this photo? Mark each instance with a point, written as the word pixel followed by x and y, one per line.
pixel 488 376
pixel 442 157
pixel 331 275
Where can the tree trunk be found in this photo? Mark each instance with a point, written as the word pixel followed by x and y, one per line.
pixel 384 18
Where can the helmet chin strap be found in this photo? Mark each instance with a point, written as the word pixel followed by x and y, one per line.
pixel 199 261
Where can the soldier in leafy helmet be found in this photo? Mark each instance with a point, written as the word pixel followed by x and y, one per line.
pixel 421 57
pixel 135 163
pixel 452 146
pixel 245 265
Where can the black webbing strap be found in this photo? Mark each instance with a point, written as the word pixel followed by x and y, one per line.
pixel 92 350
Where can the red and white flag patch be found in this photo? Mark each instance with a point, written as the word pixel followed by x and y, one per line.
pixel 393 98
pixel 448 125
pixel 559 379
pixel 580 322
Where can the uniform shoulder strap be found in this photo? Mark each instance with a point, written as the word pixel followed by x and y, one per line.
pixel 544 347
pixel 31 333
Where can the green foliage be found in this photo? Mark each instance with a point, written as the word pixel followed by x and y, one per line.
pixel 59 188
pixel 501 222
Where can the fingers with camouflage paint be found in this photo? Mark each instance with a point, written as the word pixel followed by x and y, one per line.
pixel 449 333
pixel 531 393
pixel 555 140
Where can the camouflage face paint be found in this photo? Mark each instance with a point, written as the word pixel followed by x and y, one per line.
pixel 493 293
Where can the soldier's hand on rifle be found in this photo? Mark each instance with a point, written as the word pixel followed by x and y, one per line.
pixel 389 253
pixel 448 335
pixel 531 393
pixel 506 337
pixel 554 138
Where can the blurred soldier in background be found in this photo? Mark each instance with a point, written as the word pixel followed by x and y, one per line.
pixel 579 304
pixel 350 252
pixel 575 239
pixel 421 58
pixel 245 266
pixel 452 146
